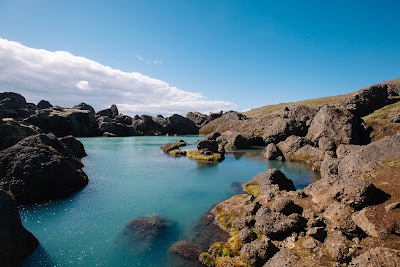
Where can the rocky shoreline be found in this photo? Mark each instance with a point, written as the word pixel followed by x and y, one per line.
pixel 348 218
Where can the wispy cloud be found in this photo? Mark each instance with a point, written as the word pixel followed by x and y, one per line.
pixel 66 80
pixel 148 62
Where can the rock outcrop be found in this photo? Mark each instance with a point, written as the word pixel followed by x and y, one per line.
pixel 43 104
pixel 16 243
pixel 12 131
pixel 40 168
pixel 112 127
pixel 158 125
pixel 65 121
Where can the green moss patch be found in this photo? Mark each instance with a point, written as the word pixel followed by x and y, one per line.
pixel 253 189
pixel 195 154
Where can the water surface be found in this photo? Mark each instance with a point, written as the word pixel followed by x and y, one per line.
pixel 130 177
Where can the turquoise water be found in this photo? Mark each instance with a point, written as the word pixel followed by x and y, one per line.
pixel 131 177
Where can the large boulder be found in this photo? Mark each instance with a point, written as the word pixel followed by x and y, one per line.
pixel 125 119
pixel 16 243
pixel 233 140
pixel 209 145
pixel 301 113
pixel 337 125
pixel 40 168
pixel 276 225
pixel 65 121
pixel 228 121
pixel 19 99
pixel 268 182
pixel 147 125
pixel 43 104
pixel 74 145
pixel 292 144
pixel 361 161
pixel 180 125
pixel 12 131
pixel 84 106
pixel 272 152
pixel 280 128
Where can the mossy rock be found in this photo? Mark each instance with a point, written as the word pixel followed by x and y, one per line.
pixel 207 259
pixel 195 154
pixel 177 153
pixel 180 143
pixel 226 261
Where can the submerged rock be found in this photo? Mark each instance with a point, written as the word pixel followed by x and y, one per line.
pixel 148 228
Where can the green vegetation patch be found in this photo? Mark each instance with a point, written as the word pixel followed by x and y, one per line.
pixel 253 189
pixel 195 154
pixel 177 153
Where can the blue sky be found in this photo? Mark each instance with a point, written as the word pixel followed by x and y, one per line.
pixel 231 54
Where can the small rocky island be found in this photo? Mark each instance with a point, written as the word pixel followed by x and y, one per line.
pixel 350 217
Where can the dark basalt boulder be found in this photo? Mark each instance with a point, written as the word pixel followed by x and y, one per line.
pixel 16 243
pixel 284 257
pixel 279 129
pixel 276 225
pixel 148 228
pixel 147 125
pixel 292 144
pixel 111 126
pixel 168 147
pixel 339 126
pixel 17 98
pixel 74 145
pixel 209 145
pixel 233 140
pixel 43 104
pixel 367 100
pixel 12 131
pixel 269 182
pixel 180 125
pixel 40 168
pixel 65 121
pixel 84 106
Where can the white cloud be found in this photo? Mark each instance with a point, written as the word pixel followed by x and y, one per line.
pixel 83 85
pixel 66 80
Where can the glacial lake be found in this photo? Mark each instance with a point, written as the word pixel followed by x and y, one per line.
pixel 131 177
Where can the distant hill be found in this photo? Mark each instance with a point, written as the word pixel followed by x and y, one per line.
pixel 261 111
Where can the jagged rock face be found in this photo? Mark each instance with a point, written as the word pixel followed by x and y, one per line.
pixel 209 145
pixel 65 121
pixel 279 129
pixel 198 118
pixel 258 252
pixel 16 243
pixel 292 144
pixel 124 119
pixel 43 104
pixel 84 106
pixel 337 125
pixel 233 140
pixel 366 101
pixel 60 171
pixel 11 132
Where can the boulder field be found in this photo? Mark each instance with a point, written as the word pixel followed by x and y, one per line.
pixel 350 217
